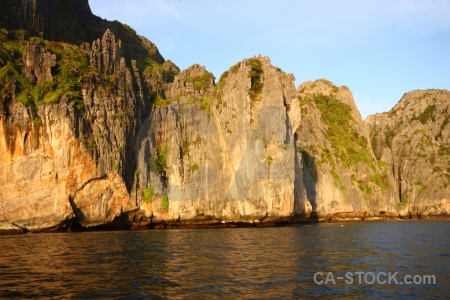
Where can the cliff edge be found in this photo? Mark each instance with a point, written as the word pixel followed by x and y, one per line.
pixel 413 138
pixel 98 131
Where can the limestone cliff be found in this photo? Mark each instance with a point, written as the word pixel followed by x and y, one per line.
pixel 341 173
pixel 223 153
pixel 99 131
pixel 69 117
pixel 254 149
pixel 414 140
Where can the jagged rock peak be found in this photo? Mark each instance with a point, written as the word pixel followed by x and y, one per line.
pixel 72 21
pixel 38 62
pixel 193 83
pixel 106 53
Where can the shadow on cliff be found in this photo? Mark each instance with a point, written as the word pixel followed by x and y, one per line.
pixel 74 224
pixel 308 170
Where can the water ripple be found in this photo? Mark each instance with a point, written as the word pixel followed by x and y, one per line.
pixel 254 263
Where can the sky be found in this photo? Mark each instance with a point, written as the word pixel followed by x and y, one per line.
pixel 380 49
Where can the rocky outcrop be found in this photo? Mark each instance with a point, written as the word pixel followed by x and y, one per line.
pixel 38 62
pixel 8 228
pixel 72 162
pixel 223 153
pixel 414 140
pixel 340 171
pixel 109 135
pixel 41 165
pixel 71 21
pixel 254 149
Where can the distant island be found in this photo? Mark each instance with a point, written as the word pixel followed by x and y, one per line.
pixel 99 131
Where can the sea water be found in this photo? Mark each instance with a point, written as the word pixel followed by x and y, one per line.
pixel 366 259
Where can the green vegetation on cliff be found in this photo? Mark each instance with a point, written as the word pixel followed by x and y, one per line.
pixel 63 69
pixel 346 149
pixel 337 180
pixel 72 67
pixel 222 81
pixel 160 101
pixel 426 115
pixel 165 202
pixel 347 144
pixel 37 121
pixel 389 135
pixel 201 82
pixel 158 164
pixel 255 76
pixel 148 194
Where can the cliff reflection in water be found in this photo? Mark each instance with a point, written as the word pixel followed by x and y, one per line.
pixel 229 263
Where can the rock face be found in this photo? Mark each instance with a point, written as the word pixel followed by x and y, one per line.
pixel 38 62
pixel 53 20
pixel 68 160
pixel 109 135
pixel 254 149
pixel 228 151
pixel 341 173
pixel 414 140
pixel 71 21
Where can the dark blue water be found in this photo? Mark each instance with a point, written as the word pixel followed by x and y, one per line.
pixel 236 263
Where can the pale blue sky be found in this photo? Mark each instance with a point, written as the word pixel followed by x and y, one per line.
pixel 380 49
